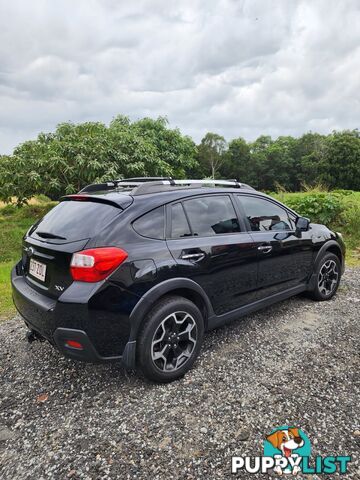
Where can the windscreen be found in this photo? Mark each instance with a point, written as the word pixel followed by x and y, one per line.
pixel 74 220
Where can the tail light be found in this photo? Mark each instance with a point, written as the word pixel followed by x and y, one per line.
pixel 95 264
pixel 74 344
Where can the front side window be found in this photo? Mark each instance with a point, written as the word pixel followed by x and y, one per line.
pixel 211 215
pixel 151 224
pixel 265 216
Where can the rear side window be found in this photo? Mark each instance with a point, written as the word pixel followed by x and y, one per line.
pixel 151 224
pixel 75 220
pixel 265 216
pixel 211 215
pixel 179 224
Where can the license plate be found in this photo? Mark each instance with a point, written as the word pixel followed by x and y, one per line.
pixel 37 269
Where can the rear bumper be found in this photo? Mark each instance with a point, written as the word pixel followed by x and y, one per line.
pixel 57 322
pixel 87 352
pixel 37 310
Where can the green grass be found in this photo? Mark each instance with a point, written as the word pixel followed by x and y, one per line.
pixel 6 305
pixel 14 222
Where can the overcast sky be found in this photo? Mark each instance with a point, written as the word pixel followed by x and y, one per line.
pixel 239 68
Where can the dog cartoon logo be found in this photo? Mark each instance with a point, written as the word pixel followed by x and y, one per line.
pixel 290 443
pixel 287 451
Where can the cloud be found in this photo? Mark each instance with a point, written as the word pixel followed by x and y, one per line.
pixel 236 67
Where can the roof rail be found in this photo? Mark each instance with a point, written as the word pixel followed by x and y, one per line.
pixel 143 188
pixel 144 185
pixel 144 179
pixel 205 181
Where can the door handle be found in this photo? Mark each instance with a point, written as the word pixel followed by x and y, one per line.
pixel 265 248
pixel 195 257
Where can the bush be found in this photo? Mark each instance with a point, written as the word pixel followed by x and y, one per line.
pixel 42 198
pixel 321 207
pixel 341 191
pixel 9 210
pixel 349 221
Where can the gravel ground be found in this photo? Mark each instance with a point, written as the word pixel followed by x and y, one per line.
pixel 295 363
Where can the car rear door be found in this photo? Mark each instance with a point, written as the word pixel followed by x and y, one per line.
pixel 209 244
pixel 50 243
pixel 285 260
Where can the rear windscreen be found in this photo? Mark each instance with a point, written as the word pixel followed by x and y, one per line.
pixel 74 220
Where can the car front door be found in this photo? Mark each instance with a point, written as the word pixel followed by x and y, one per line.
pixel 284 259
pixel 210 246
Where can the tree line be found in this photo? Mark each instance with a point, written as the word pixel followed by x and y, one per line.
pixel 75 155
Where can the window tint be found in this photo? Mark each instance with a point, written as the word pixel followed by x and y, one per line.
pixel 151 224
pixel 211 215
pixel 264 215
pixel 75 220
pixel 179 223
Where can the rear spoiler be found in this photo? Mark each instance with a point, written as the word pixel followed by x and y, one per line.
pixel 91 198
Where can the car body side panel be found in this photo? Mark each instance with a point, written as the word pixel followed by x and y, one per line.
pixel 228 271
pixel 288 264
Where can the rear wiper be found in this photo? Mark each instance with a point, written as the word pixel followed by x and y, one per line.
pixel 49 235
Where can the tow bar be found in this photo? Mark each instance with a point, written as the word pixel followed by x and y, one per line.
pixel 32 336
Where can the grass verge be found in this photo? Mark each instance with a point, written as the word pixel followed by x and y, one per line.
pixel 14 222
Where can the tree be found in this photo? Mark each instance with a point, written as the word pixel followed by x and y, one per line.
pixel 73 156
pixel 309 162
pixel 272 163
pixel 211 153
pixel 23 173
pixel 259 155
pixel 342 160
pixel 17 180
pixel 76 156
pixel 238 162
pixel 174 153
pixel 149 148
pixel 283 164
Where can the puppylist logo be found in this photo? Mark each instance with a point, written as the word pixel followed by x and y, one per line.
pixel 287 450
pixel 288 446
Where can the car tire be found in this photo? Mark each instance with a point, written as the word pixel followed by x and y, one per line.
pixel 170 339
pixel 327 278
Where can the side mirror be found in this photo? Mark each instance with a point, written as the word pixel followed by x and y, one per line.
pixel 302 225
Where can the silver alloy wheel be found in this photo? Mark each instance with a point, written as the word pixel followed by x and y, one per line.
pixel 174 341
pixel 328 277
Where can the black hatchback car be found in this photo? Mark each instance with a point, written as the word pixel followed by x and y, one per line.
pixel 138 269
